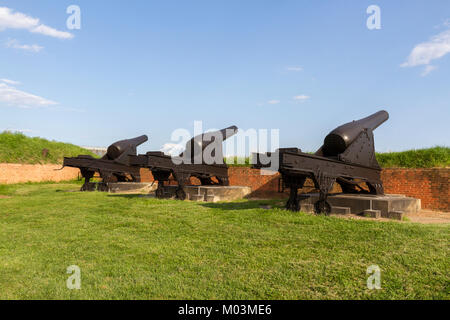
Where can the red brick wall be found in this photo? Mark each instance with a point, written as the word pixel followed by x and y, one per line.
pixel 429 185
pixel 262 186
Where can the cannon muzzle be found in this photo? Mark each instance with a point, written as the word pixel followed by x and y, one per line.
pixel 118 148
pixel 228 132
pixel 338 140
pixel 198 144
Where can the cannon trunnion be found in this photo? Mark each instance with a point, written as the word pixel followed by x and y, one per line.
pixel 346 157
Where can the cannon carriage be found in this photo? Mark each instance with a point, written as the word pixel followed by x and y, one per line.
pixel 347 157
pixel 201 159
pixel 114 166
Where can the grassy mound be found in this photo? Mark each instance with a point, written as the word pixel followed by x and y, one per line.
pixel 18 148
pixel 420 158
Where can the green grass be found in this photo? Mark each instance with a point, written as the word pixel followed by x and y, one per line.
pixel 238 161
pixel 420 158
pixel 133 247
pixel 18 148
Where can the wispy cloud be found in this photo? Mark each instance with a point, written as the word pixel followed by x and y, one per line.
pixel 8 81
pixel 17 20
pixel 445 24
pixel 13 43
pixel 427 70
pixel 301 98
pixel 13 97
pixel 424 53
pixel 294 68
pixel 273 101
pixel 172 149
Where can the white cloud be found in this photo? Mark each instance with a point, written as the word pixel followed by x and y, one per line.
pixel 172 149
pixel 12 43
pixel 423 53
pixel 48 31
pixel 13 97
pixel 427 70
pixel 273 101
pixel 16 20
pixel 294 68
pixel 445 24
pixel 301 98
pixel 8 81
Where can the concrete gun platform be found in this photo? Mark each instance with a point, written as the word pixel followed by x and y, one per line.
pixel 210 193
pixel 129 187
pixel 391 206
pixel 193 193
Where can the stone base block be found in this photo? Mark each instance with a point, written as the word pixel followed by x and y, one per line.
pixel 211 193
pixel 306 207
pixel 340 210
pixel 386 206
pixel 372 213
pixel 131 187
pixel 397 215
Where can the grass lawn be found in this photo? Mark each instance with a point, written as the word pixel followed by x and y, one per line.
pixel 131 247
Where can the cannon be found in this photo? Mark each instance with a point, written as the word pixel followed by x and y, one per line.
pixel 347 157
pixel 202 159
pixel 196 147
pixel 114 166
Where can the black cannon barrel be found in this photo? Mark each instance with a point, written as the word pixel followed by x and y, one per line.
pixel 200 142
pixel 340 138
pixel 228 132
pixel 118 148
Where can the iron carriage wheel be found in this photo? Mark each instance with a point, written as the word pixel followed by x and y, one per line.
pixel 322 206
pixel 180 194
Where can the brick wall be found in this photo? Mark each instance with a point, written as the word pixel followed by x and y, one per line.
pixel 18 173
pixel 429 185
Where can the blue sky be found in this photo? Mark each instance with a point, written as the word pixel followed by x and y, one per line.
pixel 149 67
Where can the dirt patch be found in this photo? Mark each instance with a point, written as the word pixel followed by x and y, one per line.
pixel 428 216
pixel 4 197
pixel 424 216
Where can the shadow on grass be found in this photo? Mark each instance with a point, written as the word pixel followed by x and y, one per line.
pixel 132 196
pixel 232 205
pixel 245 205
